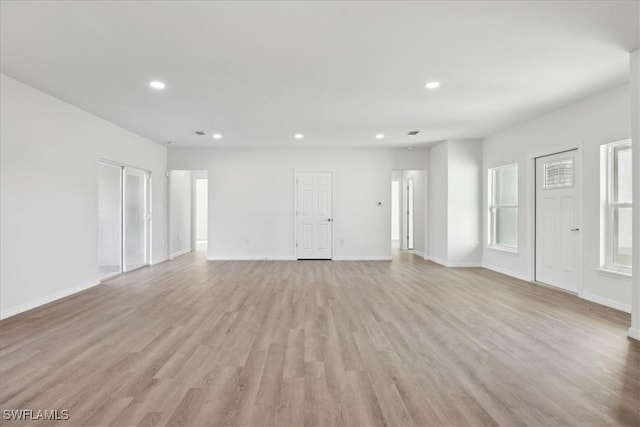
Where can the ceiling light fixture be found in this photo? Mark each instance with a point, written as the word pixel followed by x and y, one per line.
pixel 379 136
pixel 217 136
pixel 157 85
pixel 298 136
pixel 432 85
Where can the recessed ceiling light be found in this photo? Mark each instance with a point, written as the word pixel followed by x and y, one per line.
pixel 157 85
pixel 298 136
pixel 379 136
pixel 217 136
pixel 432 85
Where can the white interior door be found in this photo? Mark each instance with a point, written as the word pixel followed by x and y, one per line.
pixel 558 218
pixel 314 215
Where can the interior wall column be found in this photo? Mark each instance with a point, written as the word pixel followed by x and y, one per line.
pixel 634 330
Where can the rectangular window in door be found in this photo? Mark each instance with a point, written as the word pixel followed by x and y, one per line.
pixel 136 218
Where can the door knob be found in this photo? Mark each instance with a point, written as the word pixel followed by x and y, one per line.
pixel 328 219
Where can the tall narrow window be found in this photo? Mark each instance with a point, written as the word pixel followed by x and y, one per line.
pixel 503 208
pixel 616 236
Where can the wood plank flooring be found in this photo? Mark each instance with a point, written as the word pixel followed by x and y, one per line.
pixel 400 343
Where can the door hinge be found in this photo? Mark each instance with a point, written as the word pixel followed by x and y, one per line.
pixel 296 245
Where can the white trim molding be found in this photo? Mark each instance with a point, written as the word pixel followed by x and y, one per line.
pixel 159 261
pixel 179 253
pixel 251 258
pixel 634 333
pixel 47 299
pixel 506 272
pixel 363 258
pixel 605 301
pixel 445 263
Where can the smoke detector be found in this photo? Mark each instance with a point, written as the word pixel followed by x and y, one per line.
pixel 200 132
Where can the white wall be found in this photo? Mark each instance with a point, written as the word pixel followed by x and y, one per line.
pixel 180 207
pixel 634 331
pixel 251 198
pixel 201 204
pixel 455 207
pixel 49 187
pixel 438 202
pixel 598 120
pixel 464 204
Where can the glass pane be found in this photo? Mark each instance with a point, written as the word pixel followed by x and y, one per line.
pixel 507 186
pixel 507 226
pixel 622 175
pixel 622 236
pixel 135 224
pixel 109 219
pixel 558 173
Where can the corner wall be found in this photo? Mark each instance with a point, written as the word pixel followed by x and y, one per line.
pixel 634 330
pixel 49 189
pixel 590 123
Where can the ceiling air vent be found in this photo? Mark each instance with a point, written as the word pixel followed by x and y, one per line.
pixel 200 132
pixel 413 132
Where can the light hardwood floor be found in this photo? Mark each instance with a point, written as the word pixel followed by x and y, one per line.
pixel 191 342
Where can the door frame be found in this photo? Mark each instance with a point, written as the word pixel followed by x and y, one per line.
pixel 295 209
pixel 148 214
pixel 532 182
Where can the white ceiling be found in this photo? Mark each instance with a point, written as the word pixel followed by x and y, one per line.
pixel 338 72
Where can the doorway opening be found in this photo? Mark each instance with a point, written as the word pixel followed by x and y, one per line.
pixel 124 218
pixel 408 211
pixel 201 208
pixel 188 213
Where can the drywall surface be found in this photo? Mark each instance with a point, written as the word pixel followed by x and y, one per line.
pixel 438 202
pixel 180 192
pixel 251 198
pixel 587 124
pixel 49 187
pixel 634 331
pixel 464 204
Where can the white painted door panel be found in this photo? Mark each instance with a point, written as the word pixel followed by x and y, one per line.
pixel 558 221
pixel 313 215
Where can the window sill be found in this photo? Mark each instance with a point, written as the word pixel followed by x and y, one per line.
pixel 613 273
pixel 506 249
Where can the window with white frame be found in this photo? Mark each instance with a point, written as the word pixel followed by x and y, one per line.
pixel 503 208
pixel 616 212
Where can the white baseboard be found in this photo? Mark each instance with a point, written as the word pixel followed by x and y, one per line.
pixel 634 333
pixel 250 258
pixel 418 253
pixel 605 301
pixel 453 263
pixel 182 252
pixel 158 261
pixel 506 272
pixel 363 258
pixel 47 299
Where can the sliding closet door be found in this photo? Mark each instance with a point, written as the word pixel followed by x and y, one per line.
pixel 109 219
pixel 136 218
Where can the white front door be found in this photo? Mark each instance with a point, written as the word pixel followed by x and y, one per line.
pixel 558 218
pixel 313 215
